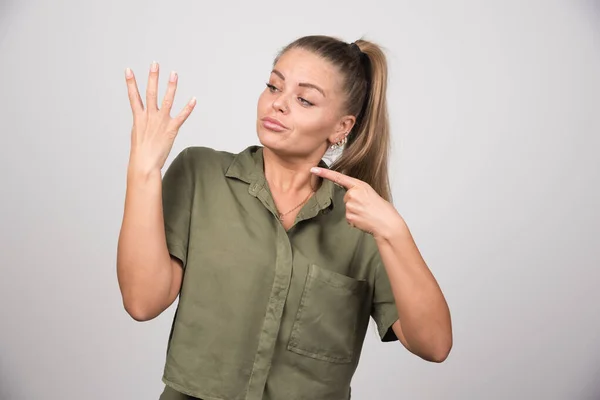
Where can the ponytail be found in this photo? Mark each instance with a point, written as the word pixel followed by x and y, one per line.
pixel 366 154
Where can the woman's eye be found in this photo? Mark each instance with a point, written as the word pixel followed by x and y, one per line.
pixel 272 88
pixel 305 102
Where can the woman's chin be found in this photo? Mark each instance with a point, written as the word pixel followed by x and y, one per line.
pixel 272 140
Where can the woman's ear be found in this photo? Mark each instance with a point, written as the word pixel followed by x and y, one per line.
pixel 343 128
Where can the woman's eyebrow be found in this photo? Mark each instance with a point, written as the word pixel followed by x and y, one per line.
pixel 302 84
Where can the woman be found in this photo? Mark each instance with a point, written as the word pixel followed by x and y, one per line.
pixel 285 259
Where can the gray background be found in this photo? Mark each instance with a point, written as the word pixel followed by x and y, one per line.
pixel 495 115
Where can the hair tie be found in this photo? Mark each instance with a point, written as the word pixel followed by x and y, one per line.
pixel 357 49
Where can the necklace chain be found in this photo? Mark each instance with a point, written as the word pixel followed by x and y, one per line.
pixel 281 215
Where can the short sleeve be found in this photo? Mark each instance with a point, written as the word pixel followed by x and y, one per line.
pixel 177 198
pixel 384 310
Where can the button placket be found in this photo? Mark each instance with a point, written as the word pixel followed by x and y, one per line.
pixel 272 321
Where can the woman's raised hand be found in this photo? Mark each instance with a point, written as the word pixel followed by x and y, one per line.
pixel 154 130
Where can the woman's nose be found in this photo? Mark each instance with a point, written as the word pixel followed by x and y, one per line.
pixel 280 104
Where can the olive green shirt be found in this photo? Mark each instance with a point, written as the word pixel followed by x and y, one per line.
pixel 266 313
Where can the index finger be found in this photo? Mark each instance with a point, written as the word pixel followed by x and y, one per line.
pixel 336 177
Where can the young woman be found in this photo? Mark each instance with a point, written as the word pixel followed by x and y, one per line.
pixel 278 259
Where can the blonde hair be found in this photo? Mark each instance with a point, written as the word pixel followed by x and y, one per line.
pixel 365 73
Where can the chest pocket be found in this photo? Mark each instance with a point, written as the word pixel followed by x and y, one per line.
pixel 326 323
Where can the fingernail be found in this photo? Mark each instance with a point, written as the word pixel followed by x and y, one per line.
pixel 173 76
pixel 315 170
pixel 154 66
pixel 128 72
pixel 193 101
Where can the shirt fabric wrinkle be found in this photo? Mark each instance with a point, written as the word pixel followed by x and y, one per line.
pixel 298 302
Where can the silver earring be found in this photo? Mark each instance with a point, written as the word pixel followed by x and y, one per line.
pixel 340 143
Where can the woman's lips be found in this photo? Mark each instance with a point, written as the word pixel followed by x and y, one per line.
pixel 273 124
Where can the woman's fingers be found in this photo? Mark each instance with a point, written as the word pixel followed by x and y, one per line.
pixel 184 114
pixel 152 89
pixel 137 107
pixel 170 95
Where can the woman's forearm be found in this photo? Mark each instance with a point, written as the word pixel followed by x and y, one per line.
pixel 424 315
pixel 143 261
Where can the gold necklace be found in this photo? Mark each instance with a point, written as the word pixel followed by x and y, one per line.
pixel 281 215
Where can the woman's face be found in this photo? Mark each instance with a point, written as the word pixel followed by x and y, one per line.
pixel 301 110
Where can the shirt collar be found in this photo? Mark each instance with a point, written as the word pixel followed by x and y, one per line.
pixel 248 166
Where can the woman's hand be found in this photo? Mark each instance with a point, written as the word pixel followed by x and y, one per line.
pixel 153 131
pixel 365 209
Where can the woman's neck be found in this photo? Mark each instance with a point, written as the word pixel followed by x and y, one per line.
pixel 289 177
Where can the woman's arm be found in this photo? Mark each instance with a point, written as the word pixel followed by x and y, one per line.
pixel 149 278
pixel 425 326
